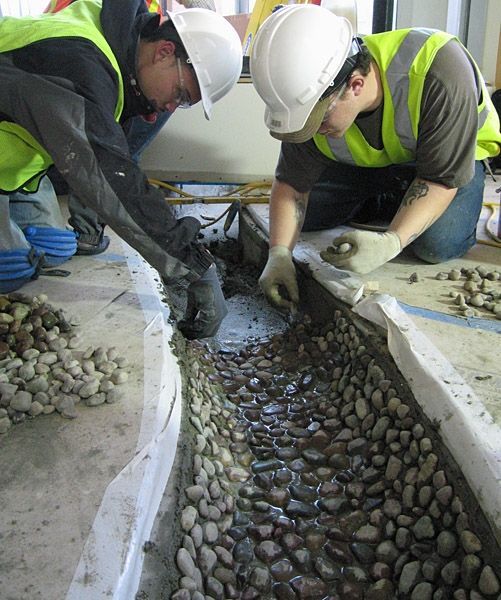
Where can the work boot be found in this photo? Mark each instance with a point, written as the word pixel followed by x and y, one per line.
pixel 89 244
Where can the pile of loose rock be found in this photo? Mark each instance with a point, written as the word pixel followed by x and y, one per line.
pixel 482 291
pixel 315 478
pixel 41 368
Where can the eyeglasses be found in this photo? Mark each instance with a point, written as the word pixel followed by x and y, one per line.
pixel 332 104
pixel 183 98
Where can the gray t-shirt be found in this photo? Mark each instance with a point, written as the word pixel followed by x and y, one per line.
pixel 447 129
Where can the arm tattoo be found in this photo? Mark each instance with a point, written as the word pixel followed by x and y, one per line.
pixel 418 233
pixel 301 202
pixel 417 189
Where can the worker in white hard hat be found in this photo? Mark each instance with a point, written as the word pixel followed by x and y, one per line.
pixel 393 128
pixel 140 131
pixel 67 80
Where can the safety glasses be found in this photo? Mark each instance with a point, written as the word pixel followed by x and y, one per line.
pixel 183 98
pixel 333 102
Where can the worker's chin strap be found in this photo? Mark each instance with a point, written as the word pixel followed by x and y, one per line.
pixel 144 106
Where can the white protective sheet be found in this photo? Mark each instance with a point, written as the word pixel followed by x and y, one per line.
pixel 112 559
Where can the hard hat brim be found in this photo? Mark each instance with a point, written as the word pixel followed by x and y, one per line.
pixel 311 126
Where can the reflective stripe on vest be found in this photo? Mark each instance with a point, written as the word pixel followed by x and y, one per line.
pixel 22 160
pixel 404 57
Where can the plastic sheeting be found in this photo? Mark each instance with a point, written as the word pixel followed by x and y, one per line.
pixel 112 559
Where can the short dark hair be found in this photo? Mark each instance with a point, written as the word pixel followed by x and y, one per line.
pixel 360 61
pixel 363 63
pixel 167 31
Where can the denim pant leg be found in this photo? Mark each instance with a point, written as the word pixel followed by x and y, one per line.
pixel 20 210
pixel 454 233
pixel 41 208
pixel 11 236
pixel 345 192
pixel 139 134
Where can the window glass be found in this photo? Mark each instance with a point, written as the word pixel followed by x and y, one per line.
pixel 20 8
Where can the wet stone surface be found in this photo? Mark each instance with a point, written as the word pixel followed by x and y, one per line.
pixel 314 479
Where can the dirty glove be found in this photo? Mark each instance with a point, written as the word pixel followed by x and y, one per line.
pixel 280 271
pixel 206 307
pixel 362 251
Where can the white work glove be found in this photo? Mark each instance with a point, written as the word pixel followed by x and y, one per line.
pixel 362 251
pixel 280 271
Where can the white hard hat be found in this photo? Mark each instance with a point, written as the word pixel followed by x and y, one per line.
pixel 296 55
pixel 214 49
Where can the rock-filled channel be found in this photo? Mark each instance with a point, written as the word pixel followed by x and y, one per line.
pixel 314 476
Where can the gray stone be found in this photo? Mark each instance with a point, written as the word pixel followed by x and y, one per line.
pixel 409 576
pixel 21 401
pixel 188 518
pixel 488 583
pixel 184 562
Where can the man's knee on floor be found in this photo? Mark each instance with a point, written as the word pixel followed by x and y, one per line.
pixel 436 251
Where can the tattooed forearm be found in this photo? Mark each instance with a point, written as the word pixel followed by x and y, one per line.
pixel 418 233
pixel 301 203
pixel 417 189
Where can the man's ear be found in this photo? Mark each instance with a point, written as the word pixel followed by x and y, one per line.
pixel 357 83
pixel 164 49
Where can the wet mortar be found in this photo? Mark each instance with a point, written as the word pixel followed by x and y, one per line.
pixel 307 471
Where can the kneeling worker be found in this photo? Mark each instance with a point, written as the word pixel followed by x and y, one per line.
pixel 392 127
pixel 67 80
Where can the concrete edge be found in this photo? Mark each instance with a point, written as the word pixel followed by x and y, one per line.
pixel 112 558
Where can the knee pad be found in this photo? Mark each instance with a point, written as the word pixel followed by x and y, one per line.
pixel 17 267
pixel 57 245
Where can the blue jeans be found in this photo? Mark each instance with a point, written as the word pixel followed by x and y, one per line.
pixel 20 210
pixel 139 134
pixel 346 193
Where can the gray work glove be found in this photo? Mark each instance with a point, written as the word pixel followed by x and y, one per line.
pixel 206 307
pixel 280 271
pixel 362 251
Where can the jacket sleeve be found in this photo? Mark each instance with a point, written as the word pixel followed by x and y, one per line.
pixel 90 151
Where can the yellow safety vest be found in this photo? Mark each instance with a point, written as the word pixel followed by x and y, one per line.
pixel 23 161
pixel 404 57
pixel 57 5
